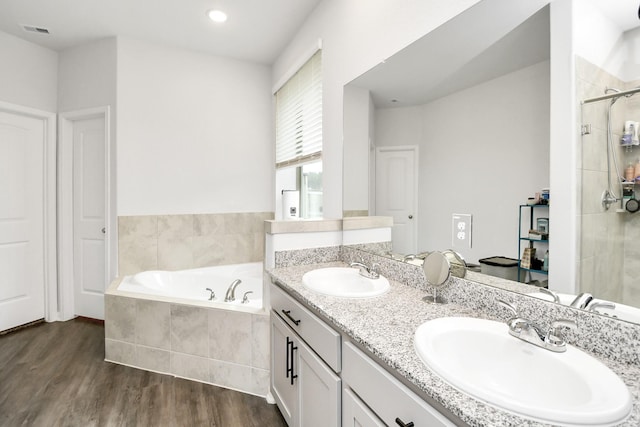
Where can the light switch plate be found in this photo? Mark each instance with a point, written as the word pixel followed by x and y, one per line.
pixel 461 231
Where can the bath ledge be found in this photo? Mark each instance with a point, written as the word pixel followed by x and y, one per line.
pixel 302 226
pixel 314 225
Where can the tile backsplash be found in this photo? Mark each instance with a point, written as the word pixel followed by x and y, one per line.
pixel 176 242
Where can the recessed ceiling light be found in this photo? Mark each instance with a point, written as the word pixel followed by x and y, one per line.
pixel 217 16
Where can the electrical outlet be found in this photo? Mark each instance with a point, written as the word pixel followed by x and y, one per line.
pixel 461 231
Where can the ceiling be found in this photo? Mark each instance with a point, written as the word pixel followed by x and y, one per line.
pixel 466 54
pixel 257 30
pixel 623 12
pixel 484 42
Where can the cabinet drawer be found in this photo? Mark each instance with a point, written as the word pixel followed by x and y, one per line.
pixel 384 394
pixel 324 340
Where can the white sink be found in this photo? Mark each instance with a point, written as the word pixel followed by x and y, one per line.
pixel 480 358
pixel 344 282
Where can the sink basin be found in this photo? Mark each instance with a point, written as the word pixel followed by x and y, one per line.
pixel 344 282
pixel 480 358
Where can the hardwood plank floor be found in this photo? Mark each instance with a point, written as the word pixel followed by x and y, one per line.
pixel 53 374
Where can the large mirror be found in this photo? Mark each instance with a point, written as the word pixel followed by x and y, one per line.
pixel 457 125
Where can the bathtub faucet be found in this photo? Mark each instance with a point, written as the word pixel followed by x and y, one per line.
pixel 231 291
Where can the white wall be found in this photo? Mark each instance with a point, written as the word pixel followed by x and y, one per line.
pixel 356 35
pixel 87 76
pixel 483 151
pixel 356 148
pixel 194 132
pixel 28 74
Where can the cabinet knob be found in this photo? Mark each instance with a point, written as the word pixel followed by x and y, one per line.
pixel 402 424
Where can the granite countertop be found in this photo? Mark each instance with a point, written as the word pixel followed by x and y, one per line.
pixel 385 326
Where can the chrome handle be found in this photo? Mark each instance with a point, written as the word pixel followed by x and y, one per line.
pixel 410 216
pixel 245 298
pixel 212 295
pixel 507 306
pixel 288 314
pixel 104 230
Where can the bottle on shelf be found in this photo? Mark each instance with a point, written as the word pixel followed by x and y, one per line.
pixel 545 263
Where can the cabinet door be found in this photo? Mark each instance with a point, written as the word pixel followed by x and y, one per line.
pixel 355 413
pixel 319 390
pixel 283 386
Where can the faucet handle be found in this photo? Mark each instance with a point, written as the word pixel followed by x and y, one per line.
pixel 552 294
pixel 212 294
pixel 600 304
pixel 245 297
pixel 555 336
pixel 508 306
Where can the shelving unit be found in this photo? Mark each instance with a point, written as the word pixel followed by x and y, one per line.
pixel 525 241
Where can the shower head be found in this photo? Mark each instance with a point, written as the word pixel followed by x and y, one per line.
pixel 612 89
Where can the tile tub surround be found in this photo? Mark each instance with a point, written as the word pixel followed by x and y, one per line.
pixel 178 242
pixel 221 347
pixel 384 327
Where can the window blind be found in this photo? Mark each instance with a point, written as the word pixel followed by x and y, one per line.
pixel 299 115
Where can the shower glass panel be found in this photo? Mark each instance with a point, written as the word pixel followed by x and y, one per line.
pixel 609 218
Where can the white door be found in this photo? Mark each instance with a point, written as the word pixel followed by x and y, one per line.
pixel 89 210
pixel 22 207
pixel 396 194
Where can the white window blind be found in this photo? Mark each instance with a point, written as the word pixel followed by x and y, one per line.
pixel 299 115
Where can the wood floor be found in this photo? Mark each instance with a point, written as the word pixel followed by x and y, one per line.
pixel 53 374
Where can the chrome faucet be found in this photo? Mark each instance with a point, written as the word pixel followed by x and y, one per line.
pixel 231 291
pixel 212 294
pixel 581 301
pixel 526 330
pixel 368 272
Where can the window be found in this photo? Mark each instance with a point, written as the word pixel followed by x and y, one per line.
pixel 299 134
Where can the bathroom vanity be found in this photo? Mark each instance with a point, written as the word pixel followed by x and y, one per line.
pixel 339 361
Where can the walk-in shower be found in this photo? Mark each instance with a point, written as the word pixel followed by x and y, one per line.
pixel 610 196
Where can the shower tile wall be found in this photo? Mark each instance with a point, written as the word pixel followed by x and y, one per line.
pixel 176 242
pixel 609 245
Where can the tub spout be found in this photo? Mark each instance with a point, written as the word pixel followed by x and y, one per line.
pixel 231 291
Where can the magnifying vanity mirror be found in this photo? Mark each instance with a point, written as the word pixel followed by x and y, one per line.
pixel 437 270
pixel 458 122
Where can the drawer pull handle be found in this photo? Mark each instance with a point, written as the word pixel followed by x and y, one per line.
pixel 402 424
pixel 290 360
pixel 288 314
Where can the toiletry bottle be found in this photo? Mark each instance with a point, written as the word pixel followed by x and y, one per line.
pixel 545 263
pixel 629 173
pixel 637 171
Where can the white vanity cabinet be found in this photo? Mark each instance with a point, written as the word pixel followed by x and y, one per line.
pixel 305 360
pixel 373 397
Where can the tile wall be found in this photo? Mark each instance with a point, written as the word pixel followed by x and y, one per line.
pixel 609 248
pixel 221 347
pixel 176 242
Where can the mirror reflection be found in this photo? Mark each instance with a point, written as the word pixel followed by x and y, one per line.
pixel 433 133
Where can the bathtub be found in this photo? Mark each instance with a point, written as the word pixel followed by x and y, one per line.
pixel 190 286
pixel 164 322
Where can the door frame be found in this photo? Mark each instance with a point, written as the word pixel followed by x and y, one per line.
pixel 416 172
pixel 51 312
pixel 65 204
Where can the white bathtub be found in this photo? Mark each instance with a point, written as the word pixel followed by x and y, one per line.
pixel 190 286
